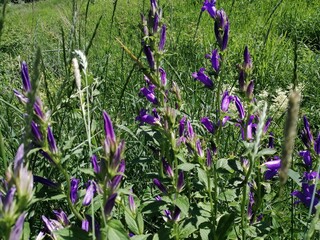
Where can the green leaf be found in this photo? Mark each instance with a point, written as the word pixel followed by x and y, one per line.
pixel 202 175
pixel 266 152
pixel 140 237
pixel 225 225
pixel 140 222
pixel 87 171
pixel 131 222
pixel 115 230
pixel 71 233
pixel 153 207
pixel 182 202
pixel 187 230
pixel 186 166
pixel 224 164
pixel 294 176
pixel 26 231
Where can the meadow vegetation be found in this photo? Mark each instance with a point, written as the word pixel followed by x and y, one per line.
pixel 109 129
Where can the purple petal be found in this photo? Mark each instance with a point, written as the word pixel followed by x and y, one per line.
pixel 149 95
pixel 306 158
pixel 61 217
pixel 203 78
pixel 147 51
pixel 180 182
pixel 167 168
pixel 108 128
pixel 163 76
pixel 208 124
pixel 110 204
pixel 247 58
pixel 52 142
pixel 162 37
pixel 95 164
pixel 25 77
pixel 225 101
pixel 91 189
pixel 159 185
pixel 215 60
pixel 240 108
pixel 74 189
pixel 16 231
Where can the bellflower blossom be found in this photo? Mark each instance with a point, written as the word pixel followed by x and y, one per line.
pixel 110 204
pixel 74 189
pixel 239 106
pixel 143 117
pixel 272 168
pixel 221 29
pixel 25 77
pixel 215 60
pixel 149 94
pixel 163 37
pixel 225 101
pixel 305 195
pixel 202 77
pixel 208 124
pixel 91 189
pixel 247 64
pixel 160 186
pixel 209 6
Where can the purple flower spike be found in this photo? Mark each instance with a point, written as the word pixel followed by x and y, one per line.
pixel 306 158
pixel 156 23
pixel 190 131
pixel 37 107
pixel 16 231
pixel 61 217
pixel 317 145
pixel 225 37
pixel 154 6
pixel 250 88
pixel 209 6
pixel 25 77
pixel 44 181
pixel 18 159
pixel 85 225
pixel 247 59
pixel 307 137
pixel 182 124
pixel 36 131
pixel 272 168
pixel 209 158
pixel 241 80
pixel 215 60
pixel 305 196
pixel 147 51
pixel 20 96
pixel 163 76
pixel 108 128
pixel 180 182
pixel 74 190
pixel 203 78
pixel 132 204
pixel 110 204
pixel 149 95
pixel 52 142
pixel 117 179
pixel 239 107
pixel 159 185
pixel 167 168
pixel 199 148
pixel 95 164
pixel 208 124
pixel 163 37
pixel 250 127
pixel 225 101
pixel 146 118
pixel 267 125
pixel 8 200
pixel 176 214
pixel 91 189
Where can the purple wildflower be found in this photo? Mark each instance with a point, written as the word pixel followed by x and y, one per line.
pixel 209 6
pixel 156 22
pixel 306 135
pixel 18 159
pixel 250 127
pixel 36 131
pixel 209 158
pixel 199 148
pixel 221 28
pixel 85 225
pixel 25 77
pixel 182 124
pixel 306 156
pixel 267 125
pixel 305 196
pixel 16 231
pixel 61 217
pixel 317 145
pixel 149 95
pixel 20 96
pixel 91 189
pixel 241 81
pixel 52 142
pixel 147 51
pixel 117 179
pixel 208 124
pixel 239 107
pixel 95 164
pixel 160 186
pixel 250 88
pixel 110 204
pixel 215 60
pixel 146 118
pixel 167 168
pixel 225 101
pixel 108 129
pixel 74 189
pixel 176 214
pixel 203 78
pixel 247 59
pixel 163 76
pixel 190 132
pixel 7 202
pixel 180 182
pixel 272 168
pixel 163 37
